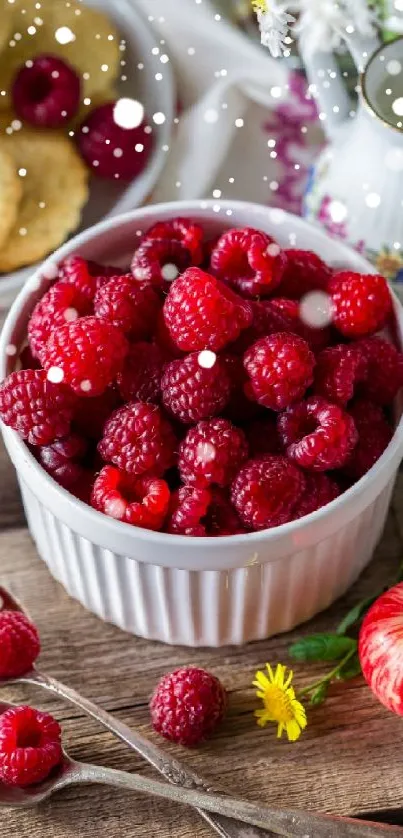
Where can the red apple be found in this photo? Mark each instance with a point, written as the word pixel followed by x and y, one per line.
pixel 380 648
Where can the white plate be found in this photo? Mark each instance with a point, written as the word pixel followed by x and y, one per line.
pixel 109 198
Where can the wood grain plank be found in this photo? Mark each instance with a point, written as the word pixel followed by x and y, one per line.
pixel 11 510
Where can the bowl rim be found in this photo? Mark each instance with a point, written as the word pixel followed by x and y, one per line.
pixel 44 483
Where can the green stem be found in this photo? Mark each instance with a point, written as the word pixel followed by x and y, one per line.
pixel 329 677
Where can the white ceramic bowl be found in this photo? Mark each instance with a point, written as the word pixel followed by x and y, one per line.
pixel 196 591
pixel 109 198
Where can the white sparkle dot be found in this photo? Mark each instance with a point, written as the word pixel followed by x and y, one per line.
pixel 178 184
pixel 274 185
pixel 148 129
pixel 55 375
pixel 155 51
pixel 322 116
pixel 316 309
pixel 191 50
pixel 159 118
pixel 50 271
pixel 239 123
pixel 388 91
pixel 118 152
pixel 70 314
pixel 139 147
pixel 55 74
pixel 86 385
pixel 22 172
pixel 397 245
pixel 207 359
pixel 231 180
pixel 394 67
pixel 169 271
pixel 277 216
pixel 211 116
pixel 86 76
pixel 216 193
pixel 205 452
pixel 104 68
pixel 164 59
pixel 16 125
pixel 115 508
pixel 42 205
pixel 11 350
pixel 158 76
pixel 87 101
pixel 271 143
pixel 23 231
pixel 140 66
pixel 397 106
pixel 373 200
pixel 31 30
pixel 273 249
pixel 275 92
pixel 338 211
pixel 85 129
pixel 29 63
pixel 350 29
pixel 273 154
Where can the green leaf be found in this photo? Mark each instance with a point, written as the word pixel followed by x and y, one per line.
pixel 356 613
pixel 319 695
pixel 350 670
pixel 322 647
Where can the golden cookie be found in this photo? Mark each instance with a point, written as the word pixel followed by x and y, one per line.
pixel 6 22
pixel 83 36
pixel 54 189
pixel 10 194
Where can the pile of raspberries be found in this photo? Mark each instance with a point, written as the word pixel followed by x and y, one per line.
pixel 188 395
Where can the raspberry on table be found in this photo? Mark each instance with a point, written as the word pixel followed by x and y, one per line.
pixel 30 746
pixel 338 372
pixel 194 390
pixel 187 706
pixel 188 509
pixel 319 491
pixel 249 260
pixel 46 92
pixel 385 370
pixel 111 151
pixel 63 303
pixel 130 307
pixel 280 370
pixel 317 434
pixel 266 491
pixel 38 410
pixel 90 414
pixel 88 353
pixel 158 262
pixel 140 378
pixel 212 453
pixel 77 271
pixel 202 313
pixel 361 303
pixel 374 435
pixel 19 644
pixel 183 230
pixel 140 501
pixel 63 460
pixel 138 439
pixel 304 272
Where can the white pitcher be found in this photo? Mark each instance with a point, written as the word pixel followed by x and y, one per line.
pixel 356 188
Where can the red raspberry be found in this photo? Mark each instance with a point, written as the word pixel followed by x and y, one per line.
pixel 250 260
pixel 290 309
pixel 318 435
pixel 339 369
pixel 141 501
pixel 90 353
pixel 138 439
pixel 63 303
pixel 91 414
pixel 62 460
pixel 112 151
pixel 212 452
pixel 385 370
pixel 187 706
pixel 280 369
pixel 361 303
pixel 266 492
pixel 319 491
pixel 19 644
pixel 374 435
pixel 192 391
pixel 140 379
pixel 133 309
pixel 38 410
pixel 221 518
pixel 304 272
pixel 201 313
pixel 30 746
pixel 183 230
pixel 159 261
pixel 262 436
pixel 76 270
pixel 188 509
pixel 46 93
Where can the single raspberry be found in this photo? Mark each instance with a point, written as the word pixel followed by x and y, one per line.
pixel 90 414
pixel 140 501
pixel 385 370
pixel 202 313
pixel 89 353
pixel 30 746
pixel 339 369
pixel 187 706
pixel 221 518
pixel 361 303
pixel 63 460
pixel 19 644
pixel 63 303
pixel 110 150
pixel 140 378
pixel 280 369
pixel 212 453
pixel 184 230
pixel 266 491
pixel 263 437
pixel 250 260
pixel 138 439
pixel 133 309
pixel 159 261
pixel 76 270
pixel 46 92
pixel 38 410
pixel 291 310
pixel 319 491
pixel 374 435
pixel 194 390
pixel 188 509
pixel 318 435
pixel 304 272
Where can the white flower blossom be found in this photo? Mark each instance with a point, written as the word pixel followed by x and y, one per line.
pixel 321 21
pixel 273 20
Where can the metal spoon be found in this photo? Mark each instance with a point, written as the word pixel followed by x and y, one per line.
pixel 222 813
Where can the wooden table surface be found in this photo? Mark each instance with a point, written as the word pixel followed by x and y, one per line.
pixel 348 761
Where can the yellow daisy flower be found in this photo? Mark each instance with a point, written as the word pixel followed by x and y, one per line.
pixel 280 704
